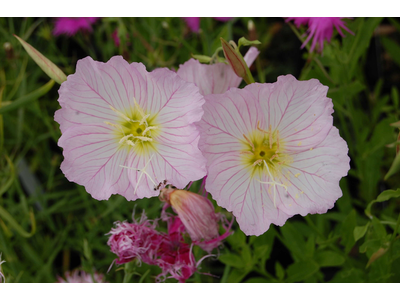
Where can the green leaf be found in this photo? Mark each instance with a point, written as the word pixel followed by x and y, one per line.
pixel 384 196
pixel 28 98
pixel 301 270
pixel 279 271
pixel 360 231
pixel 395 96
pixel 380 231
pixel 5 215
pixel 392 48
pixel 44 63
pixel 237 275
pixel 257 280
pixel 347 230
pixel 394 168
pixel 293 240
pixel 232 260
pixel 245 42
pixel 329 259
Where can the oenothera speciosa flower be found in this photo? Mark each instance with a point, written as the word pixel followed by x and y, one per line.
pixel 125 130
pixel 216 78
pixel 272 151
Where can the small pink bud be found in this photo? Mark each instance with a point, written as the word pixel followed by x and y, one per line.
pixel 196 212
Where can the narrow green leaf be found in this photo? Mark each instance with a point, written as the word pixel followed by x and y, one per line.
pixel 376 255
pixel 347 230
pixel 360 231
pixel 394 168
pixel 395 97
pixel 384 196
pixel 392 48
pixel 44 63
pixel 279 271
pixel 28 98
pixel 7 217
pixel 329 259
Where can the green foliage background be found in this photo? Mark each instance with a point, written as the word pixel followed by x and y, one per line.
pixel 49 225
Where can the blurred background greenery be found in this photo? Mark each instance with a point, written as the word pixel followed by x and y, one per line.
pixel 49 225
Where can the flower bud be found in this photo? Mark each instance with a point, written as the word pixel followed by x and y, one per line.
pixel 196 212
pixel 236 61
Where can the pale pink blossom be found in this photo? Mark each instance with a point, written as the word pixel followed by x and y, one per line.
pixel 194 22
pixel 320 29
pixel 272 152
pixel 198 216
pixel 70 26
pixel 125 130
pixel 216 78
pixel 79 276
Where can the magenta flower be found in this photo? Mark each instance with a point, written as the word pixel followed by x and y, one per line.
pixel 198 217
pixel 272 152
pixel 194 22
pixel 79 276
pixel 70 26
pixel 320 29
pixel 139 240
pixel 216 78
pixel 125 130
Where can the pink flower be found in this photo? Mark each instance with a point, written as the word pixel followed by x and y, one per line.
pixel 194 22
pixel 320 29
pixel 272 152
pixel 198 216
pixel 78 276
pixel 216 78
pixel 139 240
pixel 125 130
pixel 70 26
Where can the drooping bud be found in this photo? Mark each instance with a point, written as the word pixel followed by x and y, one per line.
pixel 196 212
pixel 236 61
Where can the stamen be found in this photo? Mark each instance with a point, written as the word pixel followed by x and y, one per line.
pixel 125 138
pixel 251 144
pixel 277 141
pixel 149 128
pixel 120 114
pixel 259 128
pixel 273 156
pixel 257 162
pixel 142 138
pixel 270 136
pixel 115 126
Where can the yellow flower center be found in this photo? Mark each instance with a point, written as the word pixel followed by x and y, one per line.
pixel 136 129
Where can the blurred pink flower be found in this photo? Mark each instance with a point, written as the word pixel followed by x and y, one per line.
pixel 1 274
pixel 272 152
pixel 198 216
pixel 70 26
pixel 79 276
pixel 194 22
pixel 320 29
pixel 216 78
pixel 125 130
pixel 139 240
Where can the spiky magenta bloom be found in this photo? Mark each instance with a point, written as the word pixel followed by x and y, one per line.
pixel 272 151
pixel 320 29
pixel 79 276
pixel 194 22
pixel 198 216
pixel 216 78
pixel 125 130
pixel 70 26
pixel 139 240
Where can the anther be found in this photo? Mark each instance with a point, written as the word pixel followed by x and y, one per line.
pixel 251 144
pixel 120 114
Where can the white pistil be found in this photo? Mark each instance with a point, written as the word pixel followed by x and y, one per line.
pixel 273 182
pixel 142 171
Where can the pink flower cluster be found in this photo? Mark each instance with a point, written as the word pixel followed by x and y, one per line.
pixel 71 26
pixel 79 276
pixel 321 29
pixel 141 241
